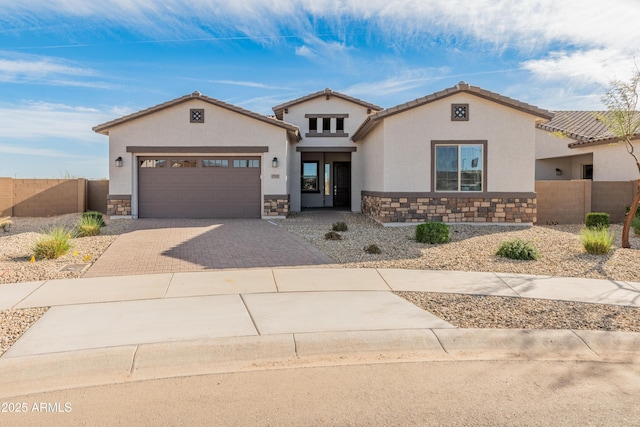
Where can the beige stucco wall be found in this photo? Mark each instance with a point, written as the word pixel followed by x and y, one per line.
pixel 373 155
pixel 510 149
pixel 171 127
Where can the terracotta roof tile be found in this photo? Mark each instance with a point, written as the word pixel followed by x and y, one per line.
pixel 583 126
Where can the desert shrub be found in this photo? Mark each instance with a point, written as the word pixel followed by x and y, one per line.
pixel 96 215
pixel 597 220
pixel 372 249
pixel 89 225
pixel 53 244
pixel 635 224
pixel 518 249
pixel 339 226
pixel 432 232
pixel 332 235
pixel 597 240
pixel 5 223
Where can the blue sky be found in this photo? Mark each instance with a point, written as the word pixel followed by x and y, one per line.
pixel 68 65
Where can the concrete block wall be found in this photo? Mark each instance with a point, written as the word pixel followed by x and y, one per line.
pixel 612 197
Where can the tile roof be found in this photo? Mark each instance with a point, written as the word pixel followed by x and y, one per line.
pixel 104 127
pixel 583 126
pixel 278 109
pixel 461 87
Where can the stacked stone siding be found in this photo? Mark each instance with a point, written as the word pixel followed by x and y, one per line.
pixel 421 208
pixel 119 205
pixel 276 205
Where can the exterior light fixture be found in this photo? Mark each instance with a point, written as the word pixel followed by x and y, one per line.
pixel 558 171
pixel 119 162
pixel 274 162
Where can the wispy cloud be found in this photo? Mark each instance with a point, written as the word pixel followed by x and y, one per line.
pixel 247 84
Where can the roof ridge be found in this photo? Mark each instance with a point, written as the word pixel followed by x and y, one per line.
pixel 325 92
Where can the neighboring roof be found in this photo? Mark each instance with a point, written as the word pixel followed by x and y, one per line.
pixel 583 126
pixel 104 127
pixel 461 87
pixel 278 109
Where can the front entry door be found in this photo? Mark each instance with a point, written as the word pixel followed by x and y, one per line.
pixel 342 184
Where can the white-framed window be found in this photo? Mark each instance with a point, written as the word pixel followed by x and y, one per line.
pixel 459 166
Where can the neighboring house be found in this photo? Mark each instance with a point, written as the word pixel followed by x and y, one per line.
pixel 463 154
pixel 576 145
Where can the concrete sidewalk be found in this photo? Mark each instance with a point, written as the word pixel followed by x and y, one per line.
pixel 113 329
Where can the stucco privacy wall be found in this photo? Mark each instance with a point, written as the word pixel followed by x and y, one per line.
pixel 318 106
pixel 171 127
pixel 42 197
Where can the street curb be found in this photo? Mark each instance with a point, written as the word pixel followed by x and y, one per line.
pixel 116 365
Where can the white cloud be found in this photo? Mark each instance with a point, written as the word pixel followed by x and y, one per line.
pixel 247 84
pixel 38 120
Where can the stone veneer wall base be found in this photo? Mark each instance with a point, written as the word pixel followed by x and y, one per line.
pixel 482 208
pixel 276 205
pixel 119 205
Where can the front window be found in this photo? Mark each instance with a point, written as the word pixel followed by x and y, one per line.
pixel 459 167
pixel 310 176
pixel 313 124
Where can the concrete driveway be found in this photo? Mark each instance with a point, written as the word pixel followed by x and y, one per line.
pixel 178 245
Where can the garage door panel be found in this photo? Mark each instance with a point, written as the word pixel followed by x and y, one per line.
pixel 199 192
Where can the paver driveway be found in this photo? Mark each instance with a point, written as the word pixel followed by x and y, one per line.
pixel 177 245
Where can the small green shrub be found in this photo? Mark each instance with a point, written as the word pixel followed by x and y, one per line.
pixel 339 226
pixel 89 226
pixel 432 232
pixel 332 235
pixel 596 241
pixel 372 249
pixel 96 215
pixel 635 224
pixel 53 244
pixel 518 249
pixel 5 223
pixel 597 220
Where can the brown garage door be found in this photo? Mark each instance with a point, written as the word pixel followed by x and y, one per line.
pixel 211 187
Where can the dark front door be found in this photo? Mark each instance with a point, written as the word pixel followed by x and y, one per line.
pixel 342 184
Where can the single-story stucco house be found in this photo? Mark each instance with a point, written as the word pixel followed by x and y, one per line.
pixel 463 154
pixel 577 145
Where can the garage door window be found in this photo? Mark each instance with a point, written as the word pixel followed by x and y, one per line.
pixel 245 163
pixel 182 163
pixel 152 163
pixel 215 163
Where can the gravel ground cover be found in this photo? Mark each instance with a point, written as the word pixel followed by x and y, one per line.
pixel 472 248
pixel 474 311
pixel 16 248
pixel 14 323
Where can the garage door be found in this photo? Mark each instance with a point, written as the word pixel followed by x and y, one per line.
pixel 199 187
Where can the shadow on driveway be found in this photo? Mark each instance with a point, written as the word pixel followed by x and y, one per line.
pixel 179 245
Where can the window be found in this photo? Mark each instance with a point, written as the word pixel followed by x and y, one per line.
pixel 152 163
pixel 254 163
pixel 240 163
pixel 459 167
pixel 313 124
pixel 587 171
pixel 460 112
pixel 327 179
pixel 196 115
pixel 182 163
pixel 215 163
pixel 320 125
pixel 310 177
pixel 326 125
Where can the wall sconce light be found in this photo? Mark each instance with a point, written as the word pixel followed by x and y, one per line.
pixel 558 171
pixel 274 162
pixel 119 162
